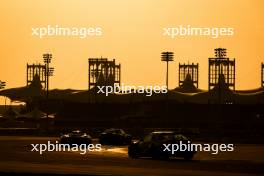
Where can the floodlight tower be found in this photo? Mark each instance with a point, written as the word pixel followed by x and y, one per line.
pixel 221 65
pixel 167 57
pixel 188 70
pixel 220 53
pixel 2 84
pixel 48 72
pixel 39 70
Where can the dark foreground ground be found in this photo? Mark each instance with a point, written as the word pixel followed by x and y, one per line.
pixel 16 158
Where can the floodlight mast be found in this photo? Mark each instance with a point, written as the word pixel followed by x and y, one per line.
pixel 167 57
pixel 48 72
pixel 220 53
pixel 2 84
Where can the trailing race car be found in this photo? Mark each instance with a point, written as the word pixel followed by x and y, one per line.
pixel 114 136
pixel 153 145
pixel 76 137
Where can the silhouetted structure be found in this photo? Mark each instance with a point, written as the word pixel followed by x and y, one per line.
pixel 103 72
pixel 190 72
pixel 2 84
pixel 48 70
pixel 36 69
pixel 167 57
pixel 221 65
pixel 262 75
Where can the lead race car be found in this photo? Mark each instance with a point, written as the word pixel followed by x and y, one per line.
pixel 153 145
pixel 115 136
pixel 76 137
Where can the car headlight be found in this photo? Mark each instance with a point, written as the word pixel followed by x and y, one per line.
pixel 134 141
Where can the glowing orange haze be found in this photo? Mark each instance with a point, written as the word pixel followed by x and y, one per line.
pixel 132 34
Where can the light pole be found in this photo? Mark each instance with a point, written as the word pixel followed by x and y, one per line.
pixel 167 57
pixel 48 72
pixel 220 53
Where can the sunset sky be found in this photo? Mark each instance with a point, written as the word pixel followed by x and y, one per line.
pixel 132 34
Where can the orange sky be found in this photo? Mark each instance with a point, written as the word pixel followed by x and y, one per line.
pixel 132 34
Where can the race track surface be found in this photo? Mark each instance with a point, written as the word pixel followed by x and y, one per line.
pixel 16 157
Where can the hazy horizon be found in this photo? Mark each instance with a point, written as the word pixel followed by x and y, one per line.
pixel 132 34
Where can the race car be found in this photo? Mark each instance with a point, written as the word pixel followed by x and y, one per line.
pixel 115 136
pixel 153 145
pixel 76 137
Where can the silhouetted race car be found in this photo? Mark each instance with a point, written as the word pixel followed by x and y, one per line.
pixel 76 137
pixel 114 136
pixel 154 145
